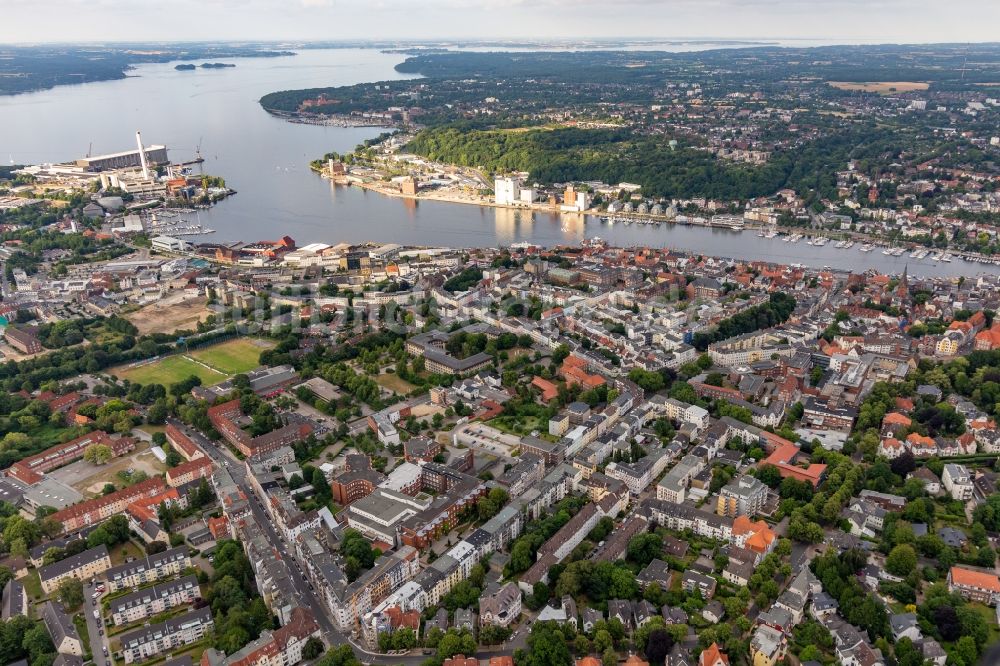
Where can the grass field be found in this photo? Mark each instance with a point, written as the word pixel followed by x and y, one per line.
pixel 169 370
pixel 880 87
pixel 210 364
pixel 394 383
pixel 233 357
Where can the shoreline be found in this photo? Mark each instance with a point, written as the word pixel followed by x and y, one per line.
pixel 390 190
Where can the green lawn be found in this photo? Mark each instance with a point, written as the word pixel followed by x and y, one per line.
pixel 232 357
pixel 32 585
pixel 84 631
pixel 168 371
pixel 120 551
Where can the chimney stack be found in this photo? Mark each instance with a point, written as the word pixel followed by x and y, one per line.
pixel 142 154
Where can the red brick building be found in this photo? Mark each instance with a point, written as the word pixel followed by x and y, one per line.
pixel 91 512
pixel 223 418
pixel 186 472
pixel 30 469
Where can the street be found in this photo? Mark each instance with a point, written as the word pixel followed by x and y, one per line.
pixel 98 643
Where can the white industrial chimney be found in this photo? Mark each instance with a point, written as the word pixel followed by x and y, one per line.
pixel 142 154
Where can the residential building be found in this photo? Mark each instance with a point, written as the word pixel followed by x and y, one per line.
pixel 280 647
pixel 500 608
pixel 15 600
pixel 101 508
pixel 957 481
pixel 175 632
pixel 767 646
pixel 148 570
pixel 82 566
pixel 713 656
pixel 61 629
pixel 742 496
pixel 980 586
pixel 154 600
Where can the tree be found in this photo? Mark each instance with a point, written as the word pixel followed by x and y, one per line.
pixel 769 475
pixel 547 646
pixel 342 655
pixel 947 622
pixel 966 651
pixel 658 645
pixel 313 648
pixel 644 548
pixel 98 454
pixel 902 560
pixel 70 592
pixel 18 527
pixel 903 464
pixel 609 657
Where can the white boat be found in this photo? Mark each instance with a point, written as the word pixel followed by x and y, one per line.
pixel 946 257
pixel 840 245
pixel 849 245
pixel 821 241
pixel 866 248
pixel 916 251
pixel 887 251
pixel 770 234
pixel 936 256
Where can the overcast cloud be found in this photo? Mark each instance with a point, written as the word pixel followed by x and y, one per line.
pixel 180 20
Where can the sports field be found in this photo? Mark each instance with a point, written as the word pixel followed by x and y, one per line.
pixel 210 364
pixel 233 357
pixel 168 371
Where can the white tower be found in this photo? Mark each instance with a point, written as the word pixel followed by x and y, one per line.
pixel 142 155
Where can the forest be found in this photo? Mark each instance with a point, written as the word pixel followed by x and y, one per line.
pixel 618 155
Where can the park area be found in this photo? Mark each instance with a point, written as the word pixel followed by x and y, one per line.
pixel 211 365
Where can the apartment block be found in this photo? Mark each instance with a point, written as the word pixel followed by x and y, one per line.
pixel 155 639
pixel 148 570
pixel 154 600
pixel 85 565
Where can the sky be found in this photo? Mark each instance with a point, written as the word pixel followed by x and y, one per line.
pixel 841 21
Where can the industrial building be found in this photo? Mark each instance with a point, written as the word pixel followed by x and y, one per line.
pixel 155 154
